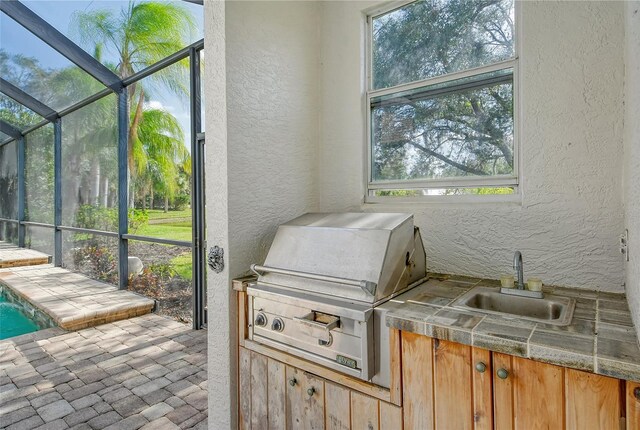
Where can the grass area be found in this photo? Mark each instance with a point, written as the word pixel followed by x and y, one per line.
pixel 155 214
pixel 168 230
pixel 182 265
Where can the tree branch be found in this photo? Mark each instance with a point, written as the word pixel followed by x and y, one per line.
pixel 448 160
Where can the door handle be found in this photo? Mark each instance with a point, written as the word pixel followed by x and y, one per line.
pixel 322 323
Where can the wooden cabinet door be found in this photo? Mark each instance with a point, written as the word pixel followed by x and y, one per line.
pixel 364 412
pixel 462 386
pixel 442 387
pixel 417 381
pixel 452 386
pixel 530 396
pixel 592 401
pixel 633 405
pixel 337 408
pixel 305 400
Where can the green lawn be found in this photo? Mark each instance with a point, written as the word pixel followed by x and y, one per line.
pixel 168 230
pixel 171 227
pixel 155 214
pixel 182 265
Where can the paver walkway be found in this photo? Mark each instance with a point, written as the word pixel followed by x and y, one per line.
pixel 13 256
pixel 147 372
pixel 73 300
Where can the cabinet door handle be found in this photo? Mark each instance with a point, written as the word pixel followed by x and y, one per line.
pixel 311 391
pixel 636 393
pixel 502 373
pixel 293 381
pixel 481 367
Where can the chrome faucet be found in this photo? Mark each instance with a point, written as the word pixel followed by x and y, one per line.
pixel 517 266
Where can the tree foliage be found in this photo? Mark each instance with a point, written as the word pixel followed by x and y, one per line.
pixel 142 34
pixel 431 132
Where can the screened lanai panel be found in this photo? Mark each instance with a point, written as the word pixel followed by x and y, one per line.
pixel 165 277
pixel 39 238
pixel 9 232
pixel 16 114
pixel 38 178
pixel 9 180
pixel 90 166
pixel 39 70
pixel 160 160
pixel 3 136
pixel 93 255
pixel 102 23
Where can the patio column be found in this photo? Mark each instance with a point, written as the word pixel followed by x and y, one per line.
pixel 57 192
pixel 21 190
pixel 222 332
pixel 123 190
pixel 197 191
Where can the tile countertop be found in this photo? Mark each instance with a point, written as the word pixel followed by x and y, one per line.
pixel 600 339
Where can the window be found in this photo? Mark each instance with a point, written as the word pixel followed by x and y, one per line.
pixel 441 99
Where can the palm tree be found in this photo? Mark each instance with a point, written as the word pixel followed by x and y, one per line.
pixel 142 34
pixel 161 145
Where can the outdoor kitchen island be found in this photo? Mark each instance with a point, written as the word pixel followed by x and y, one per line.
pixel 455 369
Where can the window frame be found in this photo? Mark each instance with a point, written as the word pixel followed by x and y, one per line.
pixel 513 181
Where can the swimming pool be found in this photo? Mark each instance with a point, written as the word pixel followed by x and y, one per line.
pixel 18 317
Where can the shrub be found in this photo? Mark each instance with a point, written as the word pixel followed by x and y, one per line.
pixel 106 219
pixel 99 261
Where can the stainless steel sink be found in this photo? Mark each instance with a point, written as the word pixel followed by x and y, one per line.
pixel 551 309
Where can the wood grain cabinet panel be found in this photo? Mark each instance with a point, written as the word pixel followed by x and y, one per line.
pixel 390 416
pixel 442 387
pixel 276 395
pixel 417 381
pixel 364 412
pixel 502 392
pixel 632 399
pixel 482 390
pixel 259 406
pixel 592 401
pixel 244 389
pixel 530 395
pixel 337 407
pixel 537 395
pixel 305 408
pixel 452 390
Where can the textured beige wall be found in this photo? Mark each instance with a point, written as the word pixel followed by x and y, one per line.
pixel 632 156
pixel 222 365
pixel 571 215
pixel 262 125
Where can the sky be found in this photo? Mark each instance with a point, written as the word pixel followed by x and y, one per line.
pixel 16 40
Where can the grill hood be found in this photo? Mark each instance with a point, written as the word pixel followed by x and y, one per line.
pixel 364 257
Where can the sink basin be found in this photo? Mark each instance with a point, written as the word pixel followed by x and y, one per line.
pixel 551 309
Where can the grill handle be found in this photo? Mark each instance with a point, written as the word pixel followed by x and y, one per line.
pixel 366 286
pixel 324 327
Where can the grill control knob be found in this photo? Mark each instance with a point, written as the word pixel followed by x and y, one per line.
pixel 261 320
pixel 277 324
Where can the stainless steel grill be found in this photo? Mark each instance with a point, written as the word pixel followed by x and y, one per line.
pixel 320 293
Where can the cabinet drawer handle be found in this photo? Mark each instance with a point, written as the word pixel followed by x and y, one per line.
pixel 481 367
pixel 311 391
pixel 293 381
pixel 502 373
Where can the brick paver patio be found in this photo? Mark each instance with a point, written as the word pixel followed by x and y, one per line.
pixel 147 372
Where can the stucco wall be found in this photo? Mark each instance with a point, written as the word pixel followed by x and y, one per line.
pixel 272 90
pixel 261 153
pixel 571 215
pixel 222 365
pixel 632 156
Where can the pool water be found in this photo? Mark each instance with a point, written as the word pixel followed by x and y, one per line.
pixel 13 321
